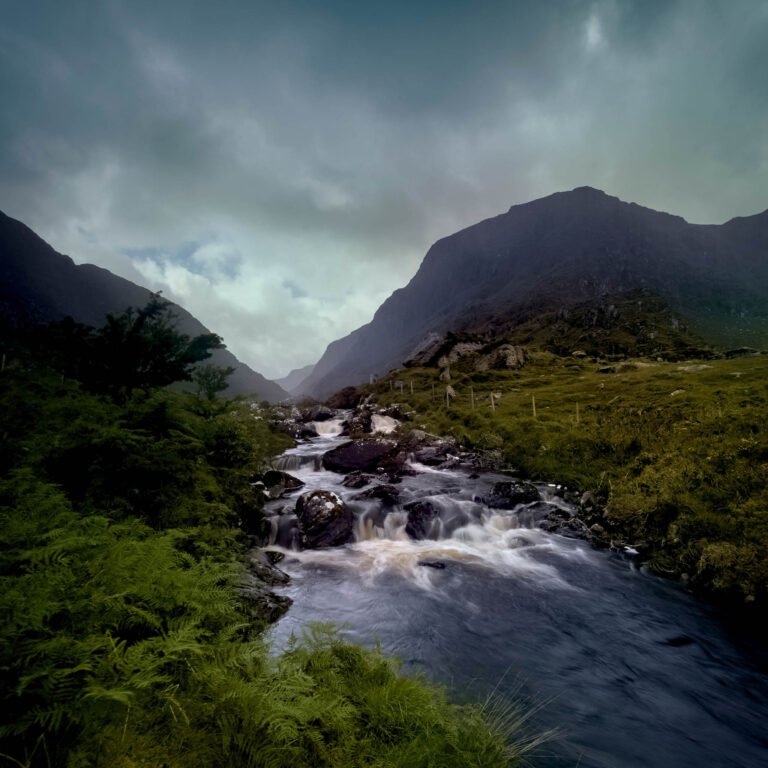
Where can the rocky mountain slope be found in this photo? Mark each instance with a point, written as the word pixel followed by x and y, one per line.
pixel 294 380
pixel 40 285
pixel 568 249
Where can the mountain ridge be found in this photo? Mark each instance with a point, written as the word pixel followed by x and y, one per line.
pixel 567 247
pixel 40 285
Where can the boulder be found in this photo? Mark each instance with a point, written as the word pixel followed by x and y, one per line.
pixel 421 516
pixel 324 520
pixel 363 455
pixel 319 413
pixel 509 356
pixel 278 483
pixel 434 454
pixel 509 493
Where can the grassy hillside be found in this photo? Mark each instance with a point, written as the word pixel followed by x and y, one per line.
pixel 676 452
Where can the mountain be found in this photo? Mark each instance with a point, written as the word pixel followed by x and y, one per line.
pixel 293 381
pixel 40 285
pixel 561 251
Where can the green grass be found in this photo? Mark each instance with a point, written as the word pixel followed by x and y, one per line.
pixel 678 457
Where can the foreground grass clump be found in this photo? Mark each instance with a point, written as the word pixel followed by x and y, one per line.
pixel 123 639
pixel 675 452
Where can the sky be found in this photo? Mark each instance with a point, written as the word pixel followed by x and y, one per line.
pixel 279 168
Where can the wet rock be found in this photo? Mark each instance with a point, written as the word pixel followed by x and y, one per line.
pixel 508 494
pixel 363 455
pixel 387 494
pixel 274 557
pixel 356 479
pixel 323 519
pixel 319 413
pixel 596 535
pixel 278 483
pixel 533 515
pixel 262 605
pixel 421 516
pixel 597 530
pixel 432 455
pixel 361 422
pixel 436 564
pixel 262 567
pixel 573 528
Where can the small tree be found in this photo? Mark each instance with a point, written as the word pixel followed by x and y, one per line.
pixel 211 379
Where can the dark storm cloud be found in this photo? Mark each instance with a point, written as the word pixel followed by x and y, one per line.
pixel 280 168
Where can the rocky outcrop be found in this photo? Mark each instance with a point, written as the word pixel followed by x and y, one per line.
pixel 508 494
pixel 324 520
pixel 370 455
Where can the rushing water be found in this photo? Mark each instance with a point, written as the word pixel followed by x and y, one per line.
pixel 630 668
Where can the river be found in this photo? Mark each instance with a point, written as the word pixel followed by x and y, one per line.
pixel 631 669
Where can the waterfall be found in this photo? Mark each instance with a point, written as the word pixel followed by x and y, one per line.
pixel 329 428
pixel 383 424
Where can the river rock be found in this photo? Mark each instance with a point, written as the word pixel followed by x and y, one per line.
pixel 319 413
pixel 509 493
pixel 421 515
pixel 356 479
pixel 262 605
pixel 368 455
pixel 388 494
pixel 262 567
pixel 278 483
pixel 324 520
pixel 361 421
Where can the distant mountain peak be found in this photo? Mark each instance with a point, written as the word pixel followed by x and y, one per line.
pixel 558 251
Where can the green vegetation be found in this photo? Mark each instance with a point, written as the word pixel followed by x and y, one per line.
pixel 676 453
pixel 124 512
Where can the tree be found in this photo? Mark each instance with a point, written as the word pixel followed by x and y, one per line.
pixel 211 379
pixel 141 349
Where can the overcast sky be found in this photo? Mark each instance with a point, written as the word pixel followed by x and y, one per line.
pixel 280 168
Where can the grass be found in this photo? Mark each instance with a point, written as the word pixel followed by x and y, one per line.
pixel 675 451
